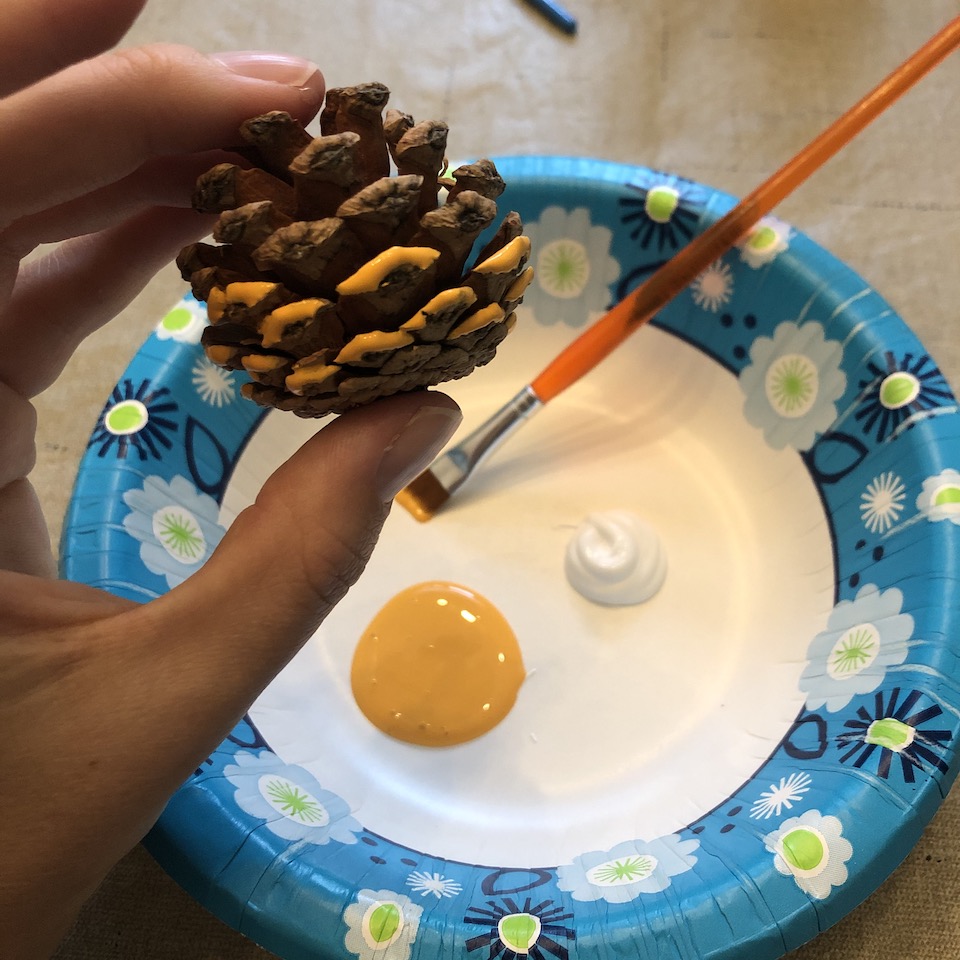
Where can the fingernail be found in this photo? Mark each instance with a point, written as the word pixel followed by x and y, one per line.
pixel 414 448
pixel 265 65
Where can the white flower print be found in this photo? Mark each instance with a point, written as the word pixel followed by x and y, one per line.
pixel 864 637
pixel 381 925
pixel 780 796
pixel 768 238
pixel 433 883
pixel 812 849
pixel 792 384
pixel 882 502
pixel 184 323
pixel 289 799
pixel 713 288
pixel 213 384
pixel 177 526
pixel 573 267
pixel 939 498
pixel 627 870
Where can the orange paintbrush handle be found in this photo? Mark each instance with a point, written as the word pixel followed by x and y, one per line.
pixel 604 336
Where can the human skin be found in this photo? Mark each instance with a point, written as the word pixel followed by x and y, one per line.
pixel 98 154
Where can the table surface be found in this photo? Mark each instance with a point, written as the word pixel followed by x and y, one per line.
pixel 719 92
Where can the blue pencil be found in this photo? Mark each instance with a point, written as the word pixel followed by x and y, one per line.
pixel 556 14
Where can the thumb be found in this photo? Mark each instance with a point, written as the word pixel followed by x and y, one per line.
pixel 291 556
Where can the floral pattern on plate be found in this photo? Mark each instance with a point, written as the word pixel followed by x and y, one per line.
pixel 177 526
pixel 138 419
pixel 184 323
pixel 289 799
pixel 781 796
pixel 864 637
pixel 628 869
pixel 381 925
pixel 713 288
pixel 882 502
pixel 573 267
pixel 811 848
pixel 792 384
pixel 764 242
pixel 940 497
pixel 214 384
pixel 910 731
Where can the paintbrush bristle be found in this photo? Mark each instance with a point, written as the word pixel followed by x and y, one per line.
pixel 423 497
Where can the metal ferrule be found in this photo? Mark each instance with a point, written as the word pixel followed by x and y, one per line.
pixel 453 468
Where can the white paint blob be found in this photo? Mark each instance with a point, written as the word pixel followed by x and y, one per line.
pixel 615 558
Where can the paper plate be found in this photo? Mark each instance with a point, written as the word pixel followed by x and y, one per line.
pixel 722 771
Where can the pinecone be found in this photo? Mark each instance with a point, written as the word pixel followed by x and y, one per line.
pixel 333 283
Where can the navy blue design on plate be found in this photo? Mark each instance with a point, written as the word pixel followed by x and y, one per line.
pixel 667 225
pixel 503 882
pixel 148 434
pixel 542 924
pixel 922 390
pixel 896 731
pixel 203 449
pixel 662 229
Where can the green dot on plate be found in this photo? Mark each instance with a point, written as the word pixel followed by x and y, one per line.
pixel 384 922
pixel 762 238
pixel 519 931
pixel 661 203
pixel 128 416
pixel 946 496
pixel 803 849
pixel 898 390
pixel 890 733
pixel 177 319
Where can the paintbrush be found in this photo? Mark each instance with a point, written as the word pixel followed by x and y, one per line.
pixel 429 491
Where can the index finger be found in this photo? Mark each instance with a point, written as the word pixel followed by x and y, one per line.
pixel 97 121
pixel 55 33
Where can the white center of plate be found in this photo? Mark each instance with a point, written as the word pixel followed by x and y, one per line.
pixel 633 721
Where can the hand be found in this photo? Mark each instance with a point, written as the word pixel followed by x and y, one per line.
pixel 100 150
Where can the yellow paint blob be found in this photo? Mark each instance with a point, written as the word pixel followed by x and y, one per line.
pixel 438 665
